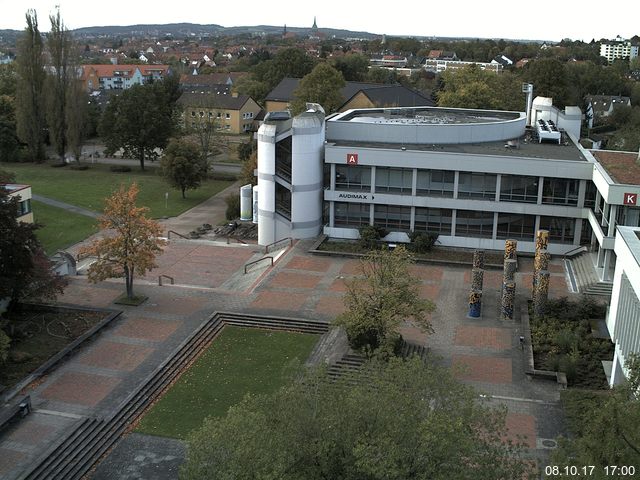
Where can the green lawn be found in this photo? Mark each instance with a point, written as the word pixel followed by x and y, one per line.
pixel 239 361
pixel 88 188
pixel 60 228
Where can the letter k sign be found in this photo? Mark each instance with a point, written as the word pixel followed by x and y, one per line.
pixel 352 158
pixel 630 198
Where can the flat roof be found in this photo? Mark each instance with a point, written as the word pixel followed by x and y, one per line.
pixel 545 150
pixel 14 187
pixel 425 116
pixel 622 167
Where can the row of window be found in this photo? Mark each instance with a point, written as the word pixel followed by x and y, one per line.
pixel 468 223
pixel 441 183
pixel 210 114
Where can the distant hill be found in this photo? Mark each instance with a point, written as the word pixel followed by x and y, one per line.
pixel 181 30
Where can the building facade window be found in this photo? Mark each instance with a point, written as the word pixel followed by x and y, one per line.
pixel 519 188
pixel 392 217
pixel 435 183
pixel 471 223
pixel 24 207
pixel 477 185
pixel 561 229
pixel 283 201
pixel 436 220
pixel 351 214
pixel 394 180
pixel 560 191
pixel 353 177
pixel 590 194
pixel 516 226
pixel 283 159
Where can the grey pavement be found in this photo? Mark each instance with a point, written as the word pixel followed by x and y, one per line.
pixel 66 206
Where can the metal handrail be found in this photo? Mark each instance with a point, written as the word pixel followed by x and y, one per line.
pixel 266 248
pixel 169 232
pixel 575 250
pixel 258 261
pixel 166 276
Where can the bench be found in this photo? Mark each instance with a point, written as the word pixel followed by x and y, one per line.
pixel 16 411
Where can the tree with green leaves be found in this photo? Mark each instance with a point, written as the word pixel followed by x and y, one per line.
pixel 9 145
pixel 25 270
pixel 139 121
pixel 380 299
pixel 472 87
pixel 549 78
pixel 401 420
pixel 183 165
pixel 323 85
pixel 354 67
pixel 604 426
pixel 58 84
pixel 30 118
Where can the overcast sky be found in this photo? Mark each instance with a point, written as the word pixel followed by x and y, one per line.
pixel 514 19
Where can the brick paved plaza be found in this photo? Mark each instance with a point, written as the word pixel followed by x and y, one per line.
pixel 484 352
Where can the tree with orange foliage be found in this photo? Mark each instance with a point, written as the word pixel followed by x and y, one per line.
pixel 135 243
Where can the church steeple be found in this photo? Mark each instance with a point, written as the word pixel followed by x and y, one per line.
pixel 315 25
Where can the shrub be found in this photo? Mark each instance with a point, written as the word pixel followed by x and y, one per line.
pixel 79 167
pixel 58 165
pixel 233 206
pixel 422 242
pixel 120 168
pixel 370 236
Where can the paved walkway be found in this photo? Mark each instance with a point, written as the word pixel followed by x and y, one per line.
pixel 66 206
pixel 92 383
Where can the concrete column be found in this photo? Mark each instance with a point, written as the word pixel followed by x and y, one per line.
pixel 478 259
pixel 333 177
pixel 454 219
pixel 373 179
pixel 508 301
pixel 600 259
pixel 582 190
pixel 540 189
pixel 508 274
pixel 456 180
pixel 577 232
pixel 332 214
pixel 613 212
pixel 542 293
pixel 606 272
pixel 414 182
pixel 498 186
pixel 477 277
pixel 510 249
pixel 475 304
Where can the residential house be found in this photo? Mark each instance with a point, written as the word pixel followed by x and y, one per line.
pixel 120 77
pixel 23 193
pixel 442 55
pixel 502 60
pixel 602 106
pixel 231 112
pixel 355 95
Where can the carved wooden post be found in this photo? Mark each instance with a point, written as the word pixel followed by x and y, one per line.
pixel 508 301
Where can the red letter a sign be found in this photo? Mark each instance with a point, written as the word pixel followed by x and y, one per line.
pixel 352 158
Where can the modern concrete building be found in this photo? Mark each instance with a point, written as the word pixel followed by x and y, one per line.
pixel 623 320
pixel 475 177
pixel 290 153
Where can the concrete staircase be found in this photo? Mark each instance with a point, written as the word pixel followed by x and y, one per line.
pixel 586 278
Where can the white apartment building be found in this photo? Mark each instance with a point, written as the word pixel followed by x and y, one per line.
pixel 618 49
